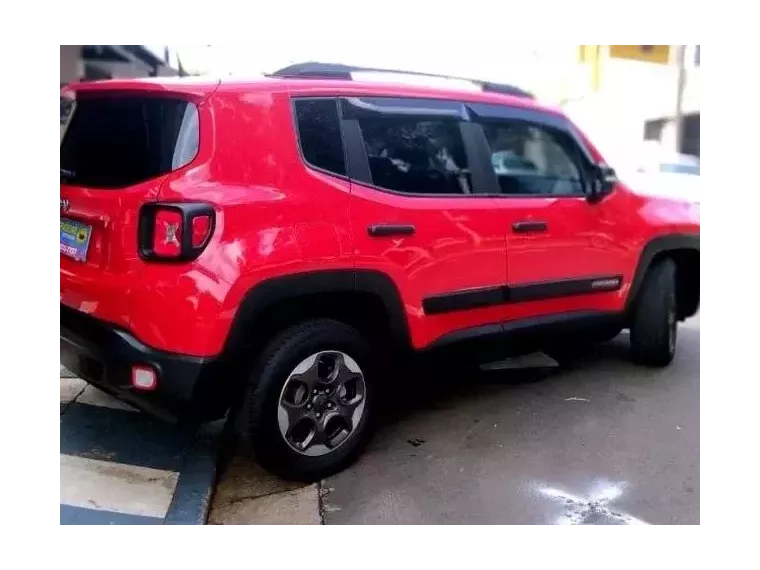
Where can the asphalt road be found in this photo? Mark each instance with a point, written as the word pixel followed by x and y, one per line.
pixel 605 443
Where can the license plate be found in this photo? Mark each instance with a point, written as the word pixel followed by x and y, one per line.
pixel 75 239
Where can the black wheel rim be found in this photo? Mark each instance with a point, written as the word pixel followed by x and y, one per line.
pixel 321 403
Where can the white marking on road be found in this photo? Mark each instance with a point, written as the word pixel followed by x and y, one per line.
pixel 582 510
pixel 104 485
pixel 577 400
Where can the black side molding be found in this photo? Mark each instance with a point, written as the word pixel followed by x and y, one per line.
pixel 500 295
pixel 523 336
pixel 564 288
pixel 464 300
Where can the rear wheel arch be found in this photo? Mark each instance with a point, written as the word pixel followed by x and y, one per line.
pixel 683 249
pixel 368 300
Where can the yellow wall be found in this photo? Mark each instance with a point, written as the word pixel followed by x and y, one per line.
pixel 649 54
pixel 596 57
pixel 593 56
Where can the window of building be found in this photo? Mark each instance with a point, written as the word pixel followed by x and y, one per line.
pixel 653 129
pixel 416 156
pixel 699 52
pixel 94 72
pixel 532 160
pixel 319 134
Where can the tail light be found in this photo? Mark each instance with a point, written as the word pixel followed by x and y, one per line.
pixel 174 232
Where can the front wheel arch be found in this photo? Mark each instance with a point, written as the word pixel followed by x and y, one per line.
pixel 683 249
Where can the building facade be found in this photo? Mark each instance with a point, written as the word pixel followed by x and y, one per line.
pixel 628 94
pixel 89 60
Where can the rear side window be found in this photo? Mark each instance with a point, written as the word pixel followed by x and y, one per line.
pixel 319 134
pixel 120 140
pixel 416 156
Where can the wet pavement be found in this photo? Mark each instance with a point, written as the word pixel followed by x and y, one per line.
pixel 604 443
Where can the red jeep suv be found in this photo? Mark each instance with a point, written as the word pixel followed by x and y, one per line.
pixel 267 247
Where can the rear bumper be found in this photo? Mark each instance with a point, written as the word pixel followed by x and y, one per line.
pixel 189 388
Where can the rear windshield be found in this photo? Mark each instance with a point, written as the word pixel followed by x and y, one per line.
pixel 118 140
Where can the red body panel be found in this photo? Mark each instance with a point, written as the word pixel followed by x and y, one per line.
pixel 275 217
pixel 268 224
pixel 458 244
pixel 112 284
pixel 582 240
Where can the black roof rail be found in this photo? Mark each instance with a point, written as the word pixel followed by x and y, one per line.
pixel 316 70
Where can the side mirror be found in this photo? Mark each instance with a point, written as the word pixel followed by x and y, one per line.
pixel 602 181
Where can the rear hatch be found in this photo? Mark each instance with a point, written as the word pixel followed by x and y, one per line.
pixel 118 145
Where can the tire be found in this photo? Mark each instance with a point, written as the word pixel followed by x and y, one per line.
pixel 654 322
pixel 261 415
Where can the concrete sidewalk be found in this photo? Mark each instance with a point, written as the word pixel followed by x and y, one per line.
pixel 246 494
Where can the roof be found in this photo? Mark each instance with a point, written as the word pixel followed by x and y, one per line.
pixel 202 87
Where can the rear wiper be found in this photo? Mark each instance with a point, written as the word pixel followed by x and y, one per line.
pixel 67 173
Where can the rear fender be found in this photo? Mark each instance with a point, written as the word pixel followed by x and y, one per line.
pixel 271 292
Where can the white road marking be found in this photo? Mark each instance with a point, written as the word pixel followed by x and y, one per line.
pixel 104 485
pixel 579 510
pixel 577 400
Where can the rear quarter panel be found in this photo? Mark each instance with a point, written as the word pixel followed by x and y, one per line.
pixel 274 217
pixel 111 285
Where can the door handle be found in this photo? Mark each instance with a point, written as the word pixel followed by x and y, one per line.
pixel 529 227
pixel 384 230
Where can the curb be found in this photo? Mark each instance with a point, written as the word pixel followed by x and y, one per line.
pixel 191 502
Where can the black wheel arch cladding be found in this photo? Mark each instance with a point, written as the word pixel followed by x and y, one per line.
pixel 684 250
pixel 318 285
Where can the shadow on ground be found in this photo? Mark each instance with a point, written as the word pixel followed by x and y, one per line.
pixel 436 388
pixel 430 387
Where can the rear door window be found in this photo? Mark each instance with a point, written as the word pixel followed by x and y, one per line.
pixel 115 141
pixel 416 156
